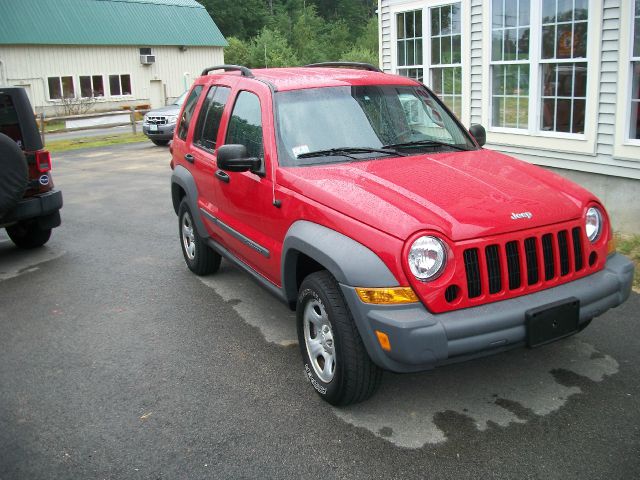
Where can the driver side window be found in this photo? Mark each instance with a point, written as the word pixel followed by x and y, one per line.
pixel 245 124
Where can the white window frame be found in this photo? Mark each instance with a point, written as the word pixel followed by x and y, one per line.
pixel 99 97
pixel 59 77
pixel 417 66
pixel 626 148
pixel 122 95
pixel 530 137
pixel 465 19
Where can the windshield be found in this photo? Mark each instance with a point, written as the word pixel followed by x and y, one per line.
pixel 180 100
pixel 326 125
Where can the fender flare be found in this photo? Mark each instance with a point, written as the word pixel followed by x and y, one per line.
pixel 183 178
pixel 350 262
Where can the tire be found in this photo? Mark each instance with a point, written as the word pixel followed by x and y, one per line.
pixel 199 257
pixel 28 234
pixel 160 143
pixel 13 174
pixel 346 374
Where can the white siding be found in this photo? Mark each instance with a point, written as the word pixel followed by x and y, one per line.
pixel 31 65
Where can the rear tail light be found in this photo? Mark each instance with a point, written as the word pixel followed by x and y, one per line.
pixel 43 161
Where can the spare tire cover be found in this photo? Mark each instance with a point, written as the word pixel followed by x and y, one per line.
pixel 13 174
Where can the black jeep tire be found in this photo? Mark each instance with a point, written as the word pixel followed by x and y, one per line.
pixel 199 257
pixel 160 143
pixel 354 377
pixel 28 234
pixel 13 174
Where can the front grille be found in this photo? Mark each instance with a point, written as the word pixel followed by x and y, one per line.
pixel 545 257
pixel 157 120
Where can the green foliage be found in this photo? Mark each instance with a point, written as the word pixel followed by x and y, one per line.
pixel 297 32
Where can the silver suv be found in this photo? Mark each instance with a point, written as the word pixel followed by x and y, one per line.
pixel 158 124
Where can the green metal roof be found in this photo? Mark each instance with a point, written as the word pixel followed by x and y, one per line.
pixel 107 22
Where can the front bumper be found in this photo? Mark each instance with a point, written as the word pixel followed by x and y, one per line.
pixel 39 206
pixel 421 340
pixel 163 132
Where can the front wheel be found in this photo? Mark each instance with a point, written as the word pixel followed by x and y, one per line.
pixel 28 234
pixel 199 257
pixel 334 357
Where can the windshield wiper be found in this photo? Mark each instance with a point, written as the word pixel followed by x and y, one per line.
pixel 349 152
pixel 425 143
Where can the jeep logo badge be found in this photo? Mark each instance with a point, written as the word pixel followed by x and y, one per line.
pixel 44 180
pixel 516 216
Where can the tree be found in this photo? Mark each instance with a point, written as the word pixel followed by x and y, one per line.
pixel 238 52
pixel 241 19
pixel 271 49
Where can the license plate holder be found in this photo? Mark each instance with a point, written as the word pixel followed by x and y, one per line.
pixel 552 322
pixel 153 128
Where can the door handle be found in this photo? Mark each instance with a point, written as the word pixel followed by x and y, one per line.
pixel 188 157
pixel 222 176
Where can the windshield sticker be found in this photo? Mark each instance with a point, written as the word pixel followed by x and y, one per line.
pixel 300 149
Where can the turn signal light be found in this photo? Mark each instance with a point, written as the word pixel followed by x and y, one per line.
pixel 43 161
pixel 611 246
pixel 383 339
pixel 387 296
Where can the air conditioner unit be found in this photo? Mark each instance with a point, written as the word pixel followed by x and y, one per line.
pixel 147 59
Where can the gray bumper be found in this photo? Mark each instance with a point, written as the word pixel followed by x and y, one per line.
pixel 42 205
pixel 164 132
pixel 421 340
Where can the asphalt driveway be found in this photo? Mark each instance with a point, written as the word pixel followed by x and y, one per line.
pixel 117 362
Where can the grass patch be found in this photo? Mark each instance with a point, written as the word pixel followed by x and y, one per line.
pixel 629 245
pixel 57 146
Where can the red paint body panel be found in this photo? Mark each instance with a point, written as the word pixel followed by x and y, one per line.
pixel 467 198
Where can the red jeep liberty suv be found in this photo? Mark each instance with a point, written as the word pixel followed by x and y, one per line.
pixel 358 199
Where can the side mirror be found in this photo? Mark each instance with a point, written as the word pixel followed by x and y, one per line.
pixel 479 133
pixel 234 158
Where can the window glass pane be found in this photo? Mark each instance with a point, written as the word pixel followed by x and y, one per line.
pixel 455 18
pixel 114 85
pixel 445 20
pixel 435 51
pixel 523 112
pixel 55 92
pixel 580 82
pixel 524 10
pixel 548 11
pixel 565 10
pixel 408 24
pixel 497 112
pixel 498 84
pixel 401 53
pixel 213 116
pixel 67 87
pixel 563 116
pixel 187 113
pixel 456 49
pixel 523 44
pixel 400 25
pixel 435 21
pixel 410 53
pixel 445 50
pixel 548 114
pixel 511 15
pixel 578 116
pixel 126 84
pixel 634 128
pixel 548 41
pixel 436 80
pixel 98 86
pixel 581 9
pixel 563 41
pixel 510 38
pixel 497 13
pixel 496 45
pixel 245 124
pixel 457 80
pixel 85 87
pixel 418 23
pixel 419 52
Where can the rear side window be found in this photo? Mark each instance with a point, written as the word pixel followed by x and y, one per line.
pixel 209 119
pixel 187 113
pixel 245 124
pixel 9 124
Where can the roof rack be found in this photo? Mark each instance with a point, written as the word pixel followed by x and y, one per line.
pixel 229 68
pixel 356 65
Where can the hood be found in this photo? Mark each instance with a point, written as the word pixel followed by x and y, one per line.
pixel 168 110
pixel 463 195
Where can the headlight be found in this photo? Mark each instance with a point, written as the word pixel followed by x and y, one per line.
pixel 171 118
pixel 593 224
pixel 145 119
pixel 427 258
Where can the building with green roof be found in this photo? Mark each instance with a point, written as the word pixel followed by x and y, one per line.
pixel 112 52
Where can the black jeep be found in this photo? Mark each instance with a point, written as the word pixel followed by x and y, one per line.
pixel 29 205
